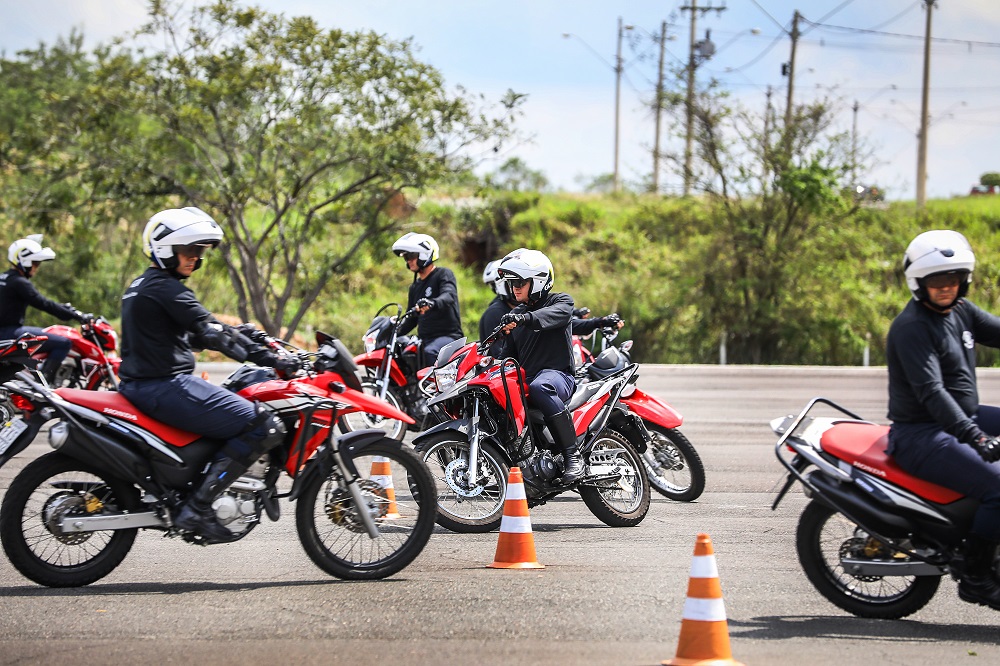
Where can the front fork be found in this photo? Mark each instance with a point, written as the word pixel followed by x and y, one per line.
pixel 351 478
pixel 474 436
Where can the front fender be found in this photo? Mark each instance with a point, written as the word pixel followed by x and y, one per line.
pixel 653 409
pixel 459 425
pixel 351 445
pixel 374 359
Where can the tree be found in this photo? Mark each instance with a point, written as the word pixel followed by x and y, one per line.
pixel 298 139
pixel 990 179
pixel 515 175
pixel 777 219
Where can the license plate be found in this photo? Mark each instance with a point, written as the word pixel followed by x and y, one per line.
pixel 10 431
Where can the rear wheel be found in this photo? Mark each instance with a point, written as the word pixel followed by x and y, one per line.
pixel 676 470
pixel 48 493
pixel 824 537
pixel 393 428
pixel 399 495
pixel 466 505
pixel 623 499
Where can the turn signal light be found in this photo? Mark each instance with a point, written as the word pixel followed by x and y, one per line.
pixel 21 403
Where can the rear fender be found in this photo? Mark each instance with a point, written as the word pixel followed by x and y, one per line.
pixel 653 409
pixel 35 422
pixel 351 445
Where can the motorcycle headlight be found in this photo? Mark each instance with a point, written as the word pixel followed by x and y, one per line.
pixel 446 376
pixel 370 340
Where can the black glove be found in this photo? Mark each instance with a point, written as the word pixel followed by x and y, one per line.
pixel 515 318
pixel 581 313
pixel 988 448
pixel 252 333
pixel 263 356
pixel 611 321
pixel 220 337
pixel 288 365
pixel 425 303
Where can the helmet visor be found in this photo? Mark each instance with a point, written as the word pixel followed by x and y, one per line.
pixel 410 256
pixel 195 250
pixel 944 280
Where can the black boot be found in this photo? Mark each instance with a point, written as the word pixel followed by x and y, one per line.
pixel 197 515
pixel 564 435
pixel 977 583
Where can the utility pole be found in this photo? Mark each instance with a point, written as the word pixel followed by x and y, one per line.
pixel 924 121
pixel 854 145
pixel 791 70
pixel 618 96
pixel 692 64
pixel 659 110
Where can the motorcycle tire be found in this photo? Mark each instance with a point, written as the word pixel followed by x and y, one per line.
pixel 680 474
pixel 393 428
pixel 823 536
pixel 464 509
pixel 49 488
pixel 7 411
pixel 332 534
pixel 623 502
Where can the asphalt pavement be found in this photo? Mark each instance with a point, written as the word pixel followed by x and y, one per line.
pixel 605 596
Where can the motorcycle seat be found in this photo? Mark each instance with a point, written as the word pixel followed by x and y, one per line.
pixel 863 445
pixel 582 394
pixel 114 405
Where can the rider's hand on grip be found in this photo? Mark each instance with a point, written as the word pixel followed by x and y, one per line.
pixel 425 303
pixel 287 365
pixel 611 321
pixel 988 448
pixel 515 318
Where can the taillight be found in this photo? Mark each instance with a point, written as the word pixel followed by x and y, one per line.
pixel 21 403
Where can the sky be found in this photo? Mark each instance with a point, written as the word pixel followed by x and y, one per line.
pixel 863 53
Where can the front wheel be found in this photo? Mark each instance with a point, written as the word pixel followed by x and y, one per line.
pixel 399 495
pixel 48 493
pixel 464 504
pixel 393 428
pixel 824 537
pixel 674 468
pixel 619 496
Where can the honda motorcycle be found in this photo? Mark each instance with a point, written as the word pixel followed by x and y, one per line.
pixel 393 373
pixel 873 540
pixel 15 356
pixel 365 506
pixel 674 468
pixel 93 360
pixel 487 427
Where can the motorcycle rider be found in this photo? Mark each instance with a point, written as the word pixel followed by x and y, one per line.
pixel 538 336
pixel 434 292
pixel 162 321
pixel 940 432
pixel 17 293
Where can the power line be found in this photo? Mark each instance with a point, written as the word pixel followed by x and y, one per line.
pixel 831 13
pixel 864 31
pixel 897 16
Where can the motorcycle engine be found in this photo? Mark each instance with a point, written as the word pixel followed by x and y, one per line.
pixel 238 508
pixel 542 467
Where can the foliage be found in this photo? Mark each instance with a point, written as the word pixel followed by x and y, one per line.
pixel 514 174
pixel 990 179
pixel 289 134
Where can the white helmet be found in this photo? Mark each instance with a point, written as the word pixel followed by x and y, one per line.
pixel 939 251
pixel 522 264
pixel 425 247
pixel 23 251
pixel 491 278
pixel 174 228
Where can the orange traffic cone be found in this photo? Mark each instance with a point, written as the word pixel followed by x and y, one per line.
pixel 382 474
pixel 516 546
pixel 704 639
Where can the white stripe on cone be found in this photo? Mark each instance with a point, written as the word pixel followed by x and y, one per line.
pixel 706 610
pixel 516 524
pixel 703 566
pixel 515 491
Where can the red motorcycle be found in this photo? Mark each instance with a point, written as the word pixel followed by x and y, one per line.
pixel 487 427
pixel 874 540
pixel 15 356
pixel 93 360
pixel 364 504
pixel 393 373
pixel 674 468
